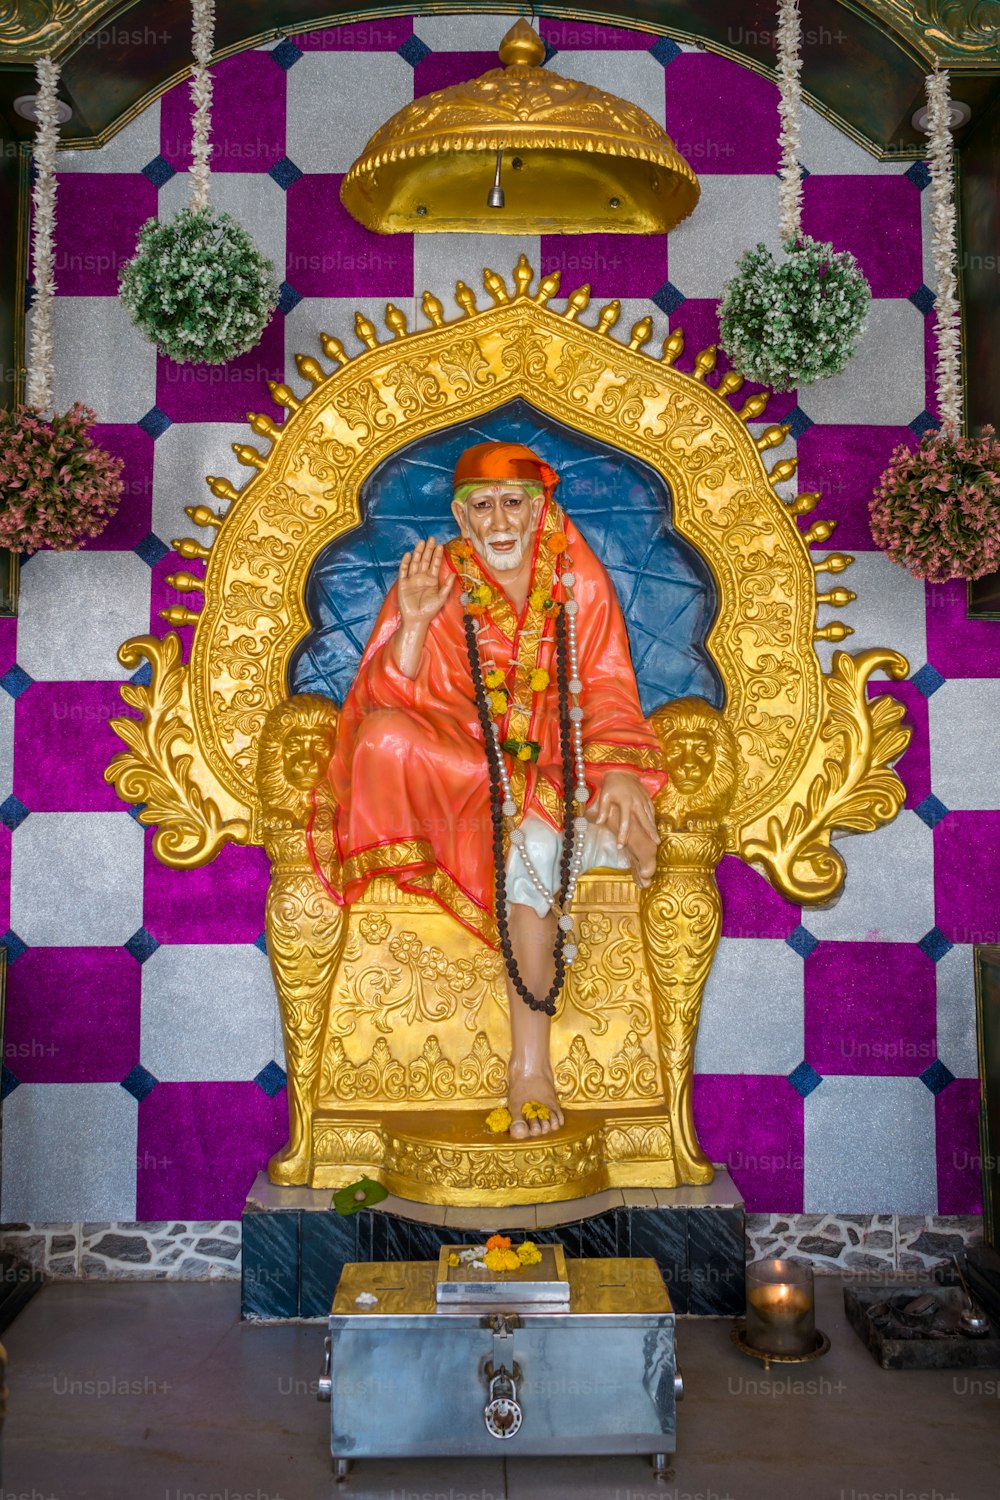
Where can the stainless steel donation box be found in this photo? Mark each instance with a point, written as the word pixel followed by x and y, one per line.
pixel 576 1358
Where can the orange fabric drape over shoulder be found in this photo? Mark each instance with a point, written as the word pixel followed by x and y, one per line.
pixel 410 774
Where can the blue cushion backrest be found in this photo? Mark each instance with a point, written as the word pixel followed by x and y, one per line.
pixel 621 506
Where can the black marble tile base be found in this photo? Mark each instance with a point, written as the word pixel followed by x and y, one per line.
pixel 18 1284
pixel 294 1249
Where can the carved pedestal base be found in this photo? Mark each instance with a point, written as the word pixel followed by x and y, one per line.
pixel 446 1157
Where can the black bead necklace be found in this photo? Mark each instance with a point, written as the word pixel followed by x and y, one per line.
pixel 493 753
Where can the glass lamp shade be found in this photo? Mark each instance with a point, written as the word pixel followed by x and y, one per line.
pixel 781 1311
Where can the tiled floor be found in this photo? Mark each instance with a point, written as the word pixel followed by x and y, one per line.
pixel 156 1392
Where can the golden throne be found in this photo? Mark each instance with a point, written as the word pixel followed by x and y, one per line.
pixel 394 1014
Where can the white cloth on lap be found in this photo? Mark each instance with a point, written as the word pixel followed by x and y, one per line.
pixel 544 846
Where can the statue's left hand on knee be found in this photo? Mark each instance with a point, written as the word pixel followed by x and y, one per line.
pixel 624 806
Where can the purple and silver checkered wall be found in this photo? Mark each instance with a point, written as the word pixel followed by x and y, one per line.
pixel 836 1061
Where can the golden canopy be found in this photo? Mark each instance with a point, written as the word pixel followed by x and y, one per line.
pixel 575 160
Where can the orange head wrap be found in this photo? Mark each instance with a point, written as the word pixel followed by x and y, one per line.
pixel 504 461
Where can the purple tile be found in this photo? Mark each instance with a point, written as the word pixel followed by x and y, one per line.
pixel 225 393
pixel 72 1015
pixel 751 907
pixel 97 226
pixel 219 903
pixel 870 1009
pixel 380 34
pixel 62 743
pixel 699 319
pixel 877 218
pixel 914 765
pixel 755 1124
pixel 329 254
pixel 967 877
pixel 721 117
pixel 248 116
pixel 585 36
pixel 846 463
pixel 956 646
pixel 162 596
pixel 613 265
pixel 132 520
pixel 201 1145
pixel 959 1171
pixel 8 644
pixel 439 70
pixel 930 367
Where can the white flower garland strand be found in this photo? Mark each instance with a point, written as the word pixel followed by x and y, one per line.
pixel 203 39
pixel 789 107
pixel 41 365
pixel 947 323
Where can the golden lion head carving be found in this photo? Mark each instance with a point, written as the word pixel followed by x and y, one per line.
pixel 296 744
pixel 700 758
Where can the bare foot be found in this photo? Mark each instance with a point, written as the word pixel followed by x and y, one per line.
pixel 540 1088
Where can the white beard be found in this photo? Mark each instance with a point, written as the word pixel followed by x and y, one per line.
pixel 502 562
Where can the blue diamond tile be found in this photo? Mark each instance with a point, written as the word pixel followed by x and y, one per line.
pixel 928 680
pixel 937 1076
pixel 15 946
pixel 15 681
pixel 665 50
pixel 144 676
pixel 271 1079
pixel 931 811
pixel 668 299
pixel 151 550
pixel 8 1082
pixel 139 1082
pixel 923 298
pixel 154 423
pixel 261 943
pixel 413 51
pixel 924 423
pixel 284 172
pixel 288 297
pixel 805 1079
pixel 13 812
pixel 935 944
pixel 286 54
pixel 918 174
pixel 29 295
pixel 798 422
pixel 550 53
pixel 801 941
pixel 141 945
pixel 135 809
pixel 159 171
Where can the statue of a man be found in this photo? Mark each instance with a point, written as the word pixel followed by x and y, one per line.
pixel 492 746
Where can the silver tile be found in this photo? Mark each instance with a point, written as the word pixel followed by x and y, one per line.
pixel 965 768
pixel 889 610
pixel 888 894
pixel 6 745
pixel 883 383
pixel 129 150
pixel 184 455
pixel 441 260
pixel 472 33
pixel 102 359
pixel 733 214
pixel 76 610
pixel 761 981
pixel 825 149
pixel 228 1034
pixel 336 102
pixel 956 1011
pixel 76 879
pixel 869 1147
pixel 69 1153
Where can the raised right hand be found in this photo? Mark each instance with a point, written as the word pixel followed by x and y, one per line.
pixel 420 590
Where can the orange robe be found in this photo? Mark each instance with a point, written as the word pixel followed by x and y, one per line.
pixel 410 774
